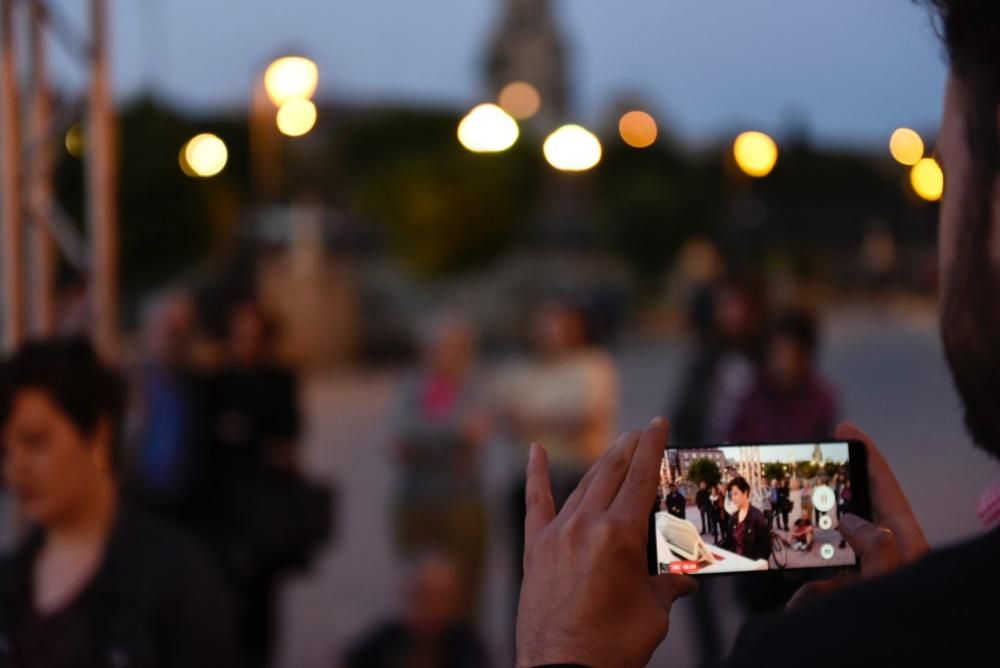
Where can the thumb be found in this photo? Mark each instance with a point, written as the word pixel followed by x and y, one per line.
pixel 668 588
pixel 876 545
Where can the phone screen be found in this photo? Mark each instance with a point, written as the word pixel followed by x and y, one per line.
pixel 756 507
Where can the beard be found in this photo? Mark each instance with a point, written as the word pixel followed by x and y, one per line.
pixel 970 326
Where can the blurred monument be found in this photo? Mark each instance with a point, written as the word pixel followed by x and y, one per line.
pixel 529 47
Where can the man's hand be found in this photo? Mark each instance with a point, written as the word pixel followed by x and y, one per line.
pixel 586 597
pixel 895 540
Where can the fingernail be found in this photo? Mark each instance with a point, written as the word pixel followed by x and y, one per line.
pixel 532 452
pixel 657 422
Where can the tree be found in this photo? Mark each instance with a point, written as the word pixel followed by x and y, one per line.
pixel 808 470
pixel 774 471
pixel 704 470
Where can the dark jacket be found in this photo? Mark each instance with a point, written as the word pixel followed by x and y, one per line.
pixel 889 621
pixel 155 602
pixel 392 646
pixel 703 500
pixel 677 504
pixel 756 539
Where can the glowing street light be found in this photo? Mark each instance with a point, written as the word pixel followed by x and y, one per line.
pixel 487 129
pixel 755 153
pixel 296 117
pixel 290 78
pixel 906 146
pixel 203 155
pixel 637 129
pixel 927 179
pixel 74 141
pixel 572 148
pixel 520 99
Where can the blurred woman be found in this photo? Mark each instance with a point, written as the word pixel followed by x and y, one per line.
pixel 440 430
pixel 95 582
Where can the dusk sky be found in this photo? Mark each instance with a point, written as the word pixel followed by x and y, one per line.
pixel 850 70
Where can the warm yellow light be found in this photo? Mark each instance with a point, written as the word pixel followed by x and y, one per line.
pixel 520 99
pixel 572 148
pixel 74 141
pixel 638 129
pixel 203 155
pixel 927 179
pixel 296 117
pixel 487 129
pixel 906 146
pixel 289 78
pixel 755 153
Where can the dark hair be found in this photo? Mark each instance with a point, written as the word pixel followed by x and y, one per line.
pixel 739 481
pixel 69 372
pixel 799 326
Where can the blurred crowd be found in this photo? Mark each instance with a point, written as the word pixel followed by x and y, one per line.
pixel 209 436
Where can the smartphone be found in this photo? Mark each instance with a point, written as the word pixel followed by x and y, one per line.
pixel 751 507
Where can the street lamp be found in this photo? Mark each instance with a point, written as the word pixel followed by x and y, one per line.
pixel 290 78
pixel 296 117
pixel 927 179
pixel 203 155
pixel 637 129
pixel 755 153
pixel 487 129
pixel 906 146
pixel 572 148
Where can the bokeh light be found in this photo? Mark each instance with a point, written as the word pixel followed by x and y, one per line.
pixel 927 179
pixel 75 141
pixel 296 117
pixel 755 153
pixel 203 155
pixel 520 99
pixel 572 148
pixel 487 129
pixel 906 146
pixel 290 78
pixel 637 129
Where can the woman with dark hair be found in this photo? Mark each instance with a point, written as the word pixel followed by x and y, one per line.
pixel 96 582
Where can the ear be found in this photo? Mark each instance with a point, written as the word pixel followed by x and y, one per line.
pixel 102 445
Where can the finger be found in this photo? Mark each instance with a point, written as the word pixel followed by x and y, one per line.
pixel 875 544
pixel 889 504
pixel 576 497
pixel 814 590
pixel 609 477
pixel 538 495
pixel 668 588
pixel 638 491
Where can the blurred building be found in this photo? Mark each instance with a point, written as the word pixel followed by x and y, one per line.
pixel 685 457
pixel 528 47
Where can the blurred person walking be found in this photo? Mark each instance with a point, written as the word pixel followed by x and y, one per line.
pixel 431 631
pixel 95 582
pixel 262 519
pixel 790 400
pixel 565 396
pixel 723 369
pixel 701 499
pixel 441 427
pixel 165 425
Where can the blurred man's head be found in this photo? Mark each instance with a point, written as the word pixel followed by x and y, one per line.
pixel 433 595
pixel 739 310
pixel 169 326
pixel 251 334
pixel 673 488
pixel 791 350
pixel 60 412
pixel 739 489
pixel 449 346
pixel 969 253
pixel 558 327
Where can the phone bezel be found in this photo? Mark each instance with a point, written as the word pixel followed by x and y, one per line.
pixel 860 500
